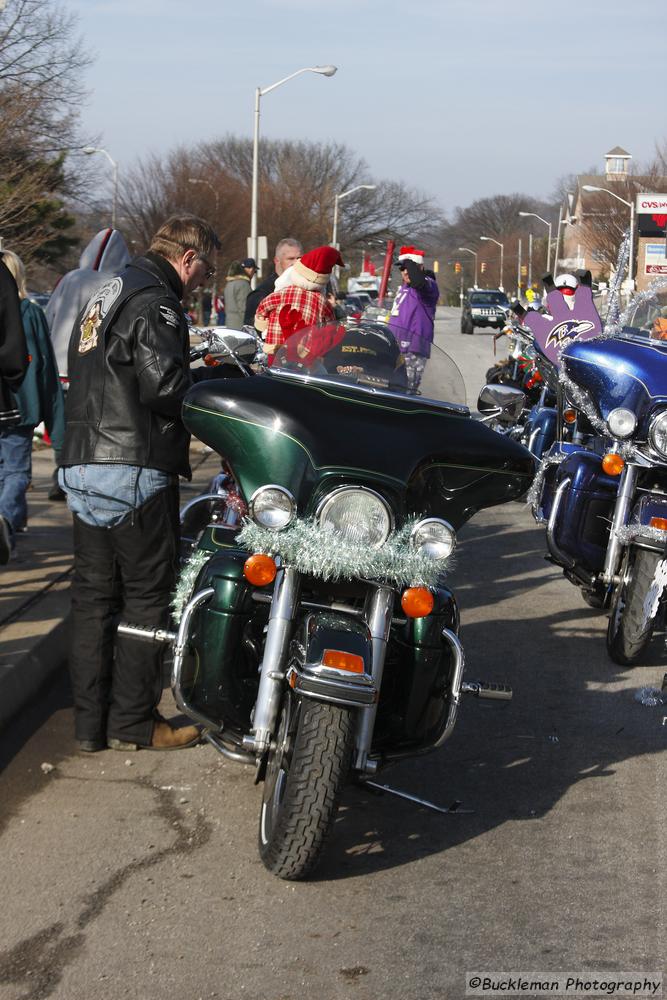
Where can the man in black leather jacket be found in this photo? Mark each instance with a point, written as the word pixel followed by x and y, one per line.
pixel 125 447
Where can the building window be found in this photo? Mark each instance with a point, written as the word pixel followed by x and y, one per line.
pixel 615 165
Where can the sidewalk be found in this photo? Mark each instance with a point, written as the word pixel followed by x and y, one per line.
pixel 34 586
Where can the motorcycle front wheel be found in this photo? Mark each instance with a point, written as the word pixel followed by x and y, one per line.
pixel 305 774
pixel 630 631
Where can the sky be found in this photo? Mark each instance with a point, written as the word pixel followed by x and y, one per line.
pixel 460 99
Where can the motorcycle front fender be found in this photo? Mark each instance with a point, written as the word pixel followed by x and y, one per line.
pixel 331 660
pixel 647 513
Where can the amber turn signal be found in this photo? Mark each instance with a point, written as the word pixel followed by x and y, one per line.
pixel 343 661
pixel 259 570
pixel 210 361
pixel 658 522
pixel 613 464
pixel 417 602
pixel 569 416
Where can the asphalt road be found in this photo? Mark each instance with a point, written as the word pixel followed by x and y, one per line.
pixel 137 875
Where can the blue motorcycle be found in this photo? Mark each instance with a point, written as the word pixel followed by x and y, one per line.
pixel 603 493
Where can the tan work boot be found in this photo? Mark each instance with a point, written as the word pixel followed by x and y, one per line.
pixel 164 737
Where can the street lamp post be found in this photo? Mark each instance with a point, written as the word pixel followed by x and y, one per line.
pixel 339 197
pixel 490 239
pixel 260 92
pixel 565 221
pixel 214 287
pixel 474 253
pixel 534 215
pixel 89 150
pixel 631 206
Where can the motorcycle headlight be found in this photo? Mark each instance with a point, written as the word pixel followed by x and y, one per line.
pixel 434 537
pixel 358 515
pixel 621 422
pixel 272 507
pixel 657 434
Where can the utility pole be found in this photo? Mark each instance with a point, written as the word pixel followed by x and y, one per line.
pixel 518 273
pixel 530 260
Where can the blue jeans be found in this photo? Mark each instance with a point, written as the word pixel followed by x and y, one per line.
pixel 104 495
pixel 15 475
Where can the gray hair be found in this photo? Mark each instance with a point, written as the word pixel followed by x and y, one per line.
pixel 288 241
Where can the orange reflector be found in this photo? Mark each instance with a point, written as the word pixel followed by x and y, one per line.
pixel 343 661
pixel 569 416
pixel 417 602
pixel 613 464
pixel 658 522
pixel 259 570
pixel 210 361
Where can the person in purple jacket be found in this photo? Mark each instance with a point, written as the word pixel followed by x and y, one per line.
pixel 413 314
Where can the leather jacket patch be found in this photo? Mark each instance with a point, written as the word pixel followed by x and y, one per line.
pixel 97 308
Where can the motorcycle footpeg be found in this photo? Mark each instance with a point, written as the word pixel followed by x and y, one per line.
pixel 486 691
pixel 145 634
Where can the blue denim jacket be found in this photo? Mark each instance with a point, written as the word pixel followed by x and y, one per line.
pixel 103 495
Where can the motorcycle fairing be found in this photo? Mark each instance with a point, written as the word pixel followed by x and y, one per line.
pixel 299 434
pixel 617 372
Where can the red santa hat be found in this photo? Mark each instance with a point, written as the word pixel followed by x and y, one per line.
pixel 314 268
pixel 411 253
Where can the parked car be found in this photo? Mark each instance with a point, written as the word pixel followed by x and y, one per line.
pixel 484 307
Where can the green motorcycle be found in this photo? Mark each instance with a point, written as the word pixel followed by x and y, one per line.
pixel 316 637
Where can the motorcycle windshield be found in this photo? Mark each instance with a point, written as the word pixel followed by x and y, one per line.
pixel 367 358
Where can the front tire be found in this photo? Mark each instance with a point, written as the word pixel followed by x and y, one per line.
pixel 629 631
pixel 306 772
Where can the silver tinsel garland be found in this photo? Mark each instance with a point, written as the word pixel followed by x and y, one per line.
pixel 326 555
pixel 534 493
pixel 627 534
pixel 650 697
pixel 186 582
pixel 613 308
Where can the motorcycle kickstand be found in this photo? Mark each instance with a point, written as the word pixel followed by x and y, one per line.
pixel 453 809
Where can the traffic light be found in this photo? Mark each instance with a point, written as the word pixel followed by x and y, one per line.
pixel 524 270
pixel 482 266
pixel 457 267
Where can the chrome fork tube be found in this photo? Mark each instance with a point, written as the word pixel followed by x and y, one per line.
pixel 272 671
pixel 377 613
pixel 626 490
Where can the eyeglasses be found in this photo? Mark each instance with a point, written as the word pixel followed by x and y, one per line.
pixel 210 270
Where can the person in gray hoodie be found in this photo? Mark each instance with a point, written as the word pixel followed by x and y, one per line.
pixel 106 254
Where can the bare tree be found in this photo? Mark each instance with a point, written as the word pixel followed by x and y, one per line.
pixel 41 62
pixel 298 184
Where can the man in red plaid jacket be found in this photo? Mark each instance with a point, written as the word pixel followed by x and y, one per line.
pixel 299 298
